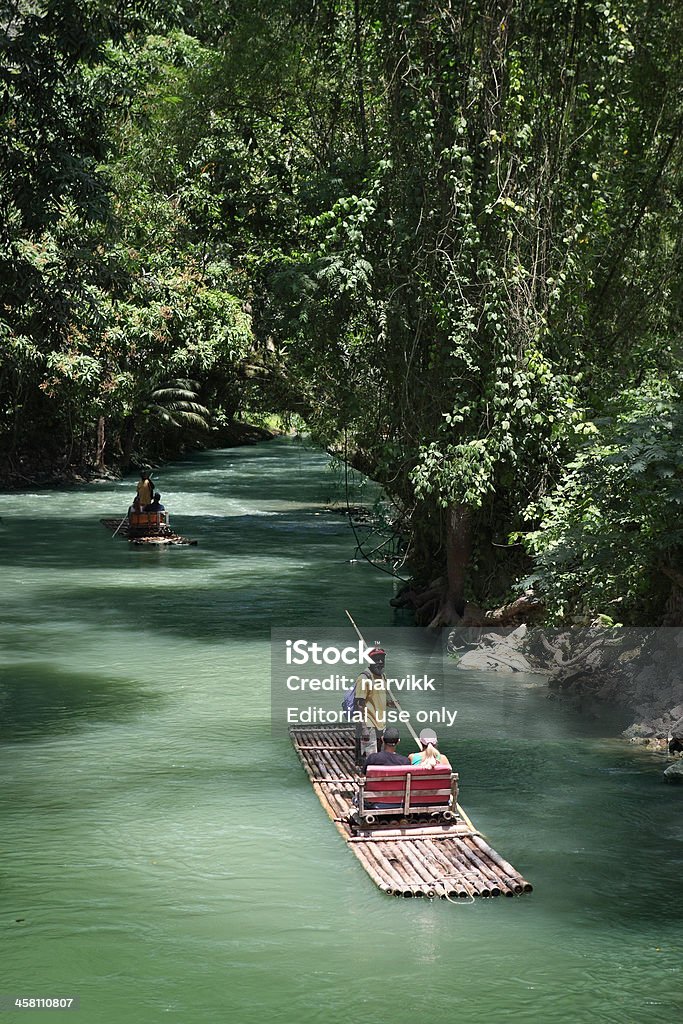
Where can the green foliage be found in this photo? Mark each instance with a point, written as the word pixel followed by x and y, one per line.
pixel 456 474
pixel 445 235
pixel 172 404
pixel 105 299
pixel 499 275
pixel 608 532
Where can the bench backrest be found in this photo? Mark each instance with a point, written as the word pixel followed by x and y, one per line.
pixel 140 519
pixel 414 789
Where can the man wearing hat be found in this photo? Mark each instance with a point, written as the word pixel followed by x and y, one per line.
pixel 388 754
pixel 428 754
pixel 370 697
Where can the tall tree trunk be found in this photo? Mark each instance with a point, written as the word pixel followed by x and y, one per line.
pixel 458 551
pixel 360 76
pixel 101 442
pixel 17 414
pixel 127 441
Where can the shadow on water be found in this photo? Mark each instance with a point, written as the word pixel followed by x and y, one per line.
pixel 227 608
pixel 40 700
pixel 58 543
pixel 237 583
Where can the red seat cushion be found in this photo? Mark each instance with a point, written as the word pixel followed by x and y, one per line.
pixel 390 780
pixel 427 785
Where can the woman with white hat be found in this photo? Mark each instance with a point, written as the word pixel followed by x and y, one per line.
pixel 428 756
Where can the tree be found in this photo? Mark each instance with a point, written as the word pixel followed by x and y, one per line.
pixel 610 538
pixel 469 273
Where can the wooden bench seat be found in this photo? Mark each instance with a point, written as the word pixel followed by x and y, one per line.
pixel 404 790
pixel 149 522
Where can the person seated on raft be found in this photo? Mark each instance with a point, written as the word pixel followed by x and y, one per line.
pixel 429 756
pixel 135 507
pixel 155 505
pixel 387 756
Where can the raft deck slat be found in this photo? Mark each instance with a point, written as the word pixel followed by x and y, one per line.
pixel 450 860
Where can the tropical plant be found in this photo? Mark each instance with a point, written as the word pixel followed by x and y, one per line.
pixel 610 536
pixel 167 407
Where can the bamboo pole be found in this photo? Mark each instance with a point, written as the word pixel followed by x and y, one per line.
pixel 120 525
pixel 407 832
pixel 386 868
pixel 337 779
pixel 374 875
pixel 510 883
pixel 432 863
pixel 504 886
pixel 459 876
pixel 467 870
pixel 446 866
pixel 348 763
pixel 392 835
pixel 489 876
pixel 490 883
pixel 308 768
pixel 322 797
pixel 336 764
pixel 400 868
pixel 402 864
pixel 331 801
pixel 314 758
pixel 335 798
pixel 424 875
pixel 510 872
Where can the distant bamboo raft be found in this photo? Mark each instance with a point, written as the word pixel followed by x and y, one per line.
pixel 450 860
pixel 168 538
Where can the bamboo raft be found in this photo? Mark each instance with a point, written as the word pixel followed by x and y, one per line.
pixel 450 860
pixel 164 537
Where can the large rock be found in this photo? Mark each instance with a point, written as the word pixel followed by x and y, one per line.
pixel 638 731
pixel 674 773
pixel 498 652
pixel 495 659
pixel 677 728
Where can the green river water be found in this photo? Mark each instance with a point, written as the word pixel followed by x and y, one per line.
pixel 162 855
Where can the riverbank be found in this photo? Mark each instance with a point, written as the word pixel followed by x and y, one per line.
pixel 31 473
pixel 637 670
